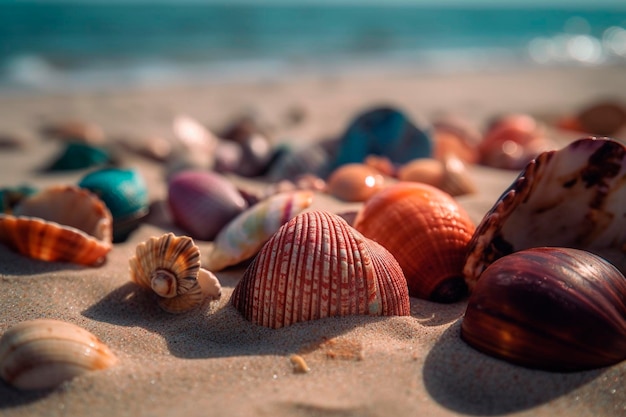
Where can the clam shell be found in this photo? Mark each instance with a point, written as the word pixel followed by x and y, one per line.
pixel 124 192
pixel 558 309
pixel 244 236
pixel 317 266
pixel 354 182
pixel 169 265
pixel 574 197
pixel 60 223
pixel 43 353
pixel 426 231
pixel 383 131
pixel 203 202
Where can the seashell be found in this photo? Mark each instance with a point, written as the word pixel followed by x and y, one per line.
pixel 75 131
pixel 203 202
pixel 456 136
pixel 60 223
pixel 43 353
pixel 382 164
pixel 426 231
pixel 317 266
pixel 449 174
pixel 573 197
pixel 557 309
pixel 170 266
pixel 194 146
pixel 243 127
pixel 383 131
pixel 244 236
pixel 512 141
pixel 77 156
pixel 354 182
pixel 256 157
pixel 124 192
pixel 11 196
pixel 604 118
pixel 294 162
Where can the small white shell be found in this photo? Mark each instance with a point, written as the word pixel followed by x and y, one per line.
pixel 43 353
pixel 170 266
pixel 244 236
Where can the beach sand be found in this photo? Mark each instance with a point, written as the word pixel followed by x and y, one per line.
pixel 211 361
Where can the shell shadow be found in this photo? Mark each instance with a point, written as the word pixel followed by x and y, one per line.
pixel 12 397
pixel 14 263
pixel 216 329
pixel 469 382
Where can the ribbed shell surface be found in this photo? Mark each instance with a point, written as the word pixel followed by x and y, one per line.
pixel 318 266
pixel 425 230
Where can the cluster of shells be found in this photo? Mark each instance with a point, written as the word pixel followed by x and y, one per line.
pixel 543 271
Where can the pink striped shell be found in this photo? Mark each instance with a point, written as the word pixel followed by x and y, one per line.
pixel 318 266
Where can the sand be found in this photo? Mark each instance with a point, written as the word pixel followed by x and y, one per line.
pixel 211 361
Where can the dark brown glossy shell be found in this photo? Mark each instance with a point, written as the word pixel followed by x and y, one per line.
pixel 557 309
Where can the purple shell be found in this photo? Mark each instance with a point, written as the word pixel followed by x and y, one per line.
pixel 202 202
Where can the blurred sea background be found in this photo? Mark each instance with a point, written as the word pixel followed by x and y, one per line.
pixel 61 45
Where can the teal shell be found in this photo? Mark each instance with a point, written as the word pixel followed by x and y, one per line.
pixel 79 156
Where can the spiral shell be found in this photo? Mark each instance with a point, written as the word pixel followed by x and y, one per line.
pixel 203 202
pixel 574 197
pixel 60 223
pixel 43 353
pixel 557 309
pixel 317 266
pixel 426 231
pixel 244 236
pixel 169 265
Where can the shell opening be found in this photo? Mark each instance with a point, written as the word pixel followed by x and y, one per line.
pixel 163 283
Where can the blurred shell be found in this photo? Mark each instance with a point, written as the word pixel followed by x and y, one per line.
pixel 245 235
pixel 60 223
pixel 193 148
pixel 448 174
pixel 426 231
pixel 75 131
pixel 317 266
pixel 294 162
pixel 603 118
pixel 11 196
pixel 354 182
pixel 383 131
pixel 170 266
pixel 512 141
pixel 43 353
pixel 456 136
pixel 75 156
pixel 558 309
pixel 256 157
pixel 203 202
pixel 124 192
pixel 574 197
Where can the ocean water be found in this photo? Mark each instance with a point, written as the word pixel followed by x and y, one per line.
pixel 60 45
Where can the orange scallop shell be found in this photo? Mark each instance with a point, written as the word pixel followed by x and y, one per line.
pixel 318 266
pixel 60 223
pixel 426 231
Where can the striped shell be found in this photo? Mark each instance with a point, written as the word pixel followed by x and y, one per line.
pixel 318 266
pixel 60 223
pixel 43 353
pixel 244 236
pixel 170 266
pixel 574 197
pixel 426 231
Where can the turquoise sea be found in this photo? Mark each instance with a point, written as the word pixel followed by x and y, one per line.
pixel 53 45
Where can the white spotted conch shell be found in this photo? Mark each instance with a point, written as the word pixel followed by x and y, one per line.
pixel 318 266
pixel 60 223
pixel 244 236
pixel 170 266
pixel 43 353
